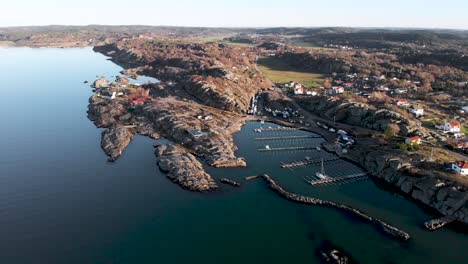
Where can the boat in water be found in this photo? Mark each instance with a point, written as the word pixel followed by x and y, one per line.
pixel 267 147
pixel 321 174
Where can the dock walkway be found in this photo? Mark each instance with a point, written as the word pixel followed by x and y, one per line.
pixel 297 164
pixel 285 137
pixel 338 180
pixel 286 148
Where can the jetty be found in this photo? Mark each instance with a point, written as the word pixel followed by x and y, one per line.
pixel 381 225
pixel 286 137
pixel 275 129
pixel 305 163
pixel 439 222
pixel 287 148
pixel 337 180
pixel 230 182
pixel 251 177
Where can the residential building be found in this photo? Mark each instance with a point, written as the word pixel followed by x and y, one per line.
pixel 460 167
pixel 402 102
pixel 298 90
pixel 460 144
pixel 417 110
pixel 453 127
pixel 413 140
pixel 336 90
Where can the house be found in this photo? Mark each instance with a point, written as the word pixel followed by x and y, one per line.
pixel 413 140
pixel 460 144
pixel 336 90
pixel 400 91
pixel 417 110
pixel 402 102
pixel 453 127
pixel 298 90
pixel 464 109
pixel 460 167
pixel 197 133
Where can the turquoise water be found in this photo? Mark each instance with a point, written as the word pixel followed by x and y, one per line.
pixel 61 202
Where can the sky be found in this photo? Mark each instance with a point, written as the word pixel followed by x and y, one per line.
pixel 238 13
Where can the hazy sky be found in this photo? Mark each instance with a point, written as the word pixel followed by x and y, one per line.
pixel 238 13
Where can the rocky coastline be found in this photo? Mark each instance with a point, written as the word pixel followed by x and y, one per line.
pixel 383 226
pixel 183 168
pixel 198 105
pixel 447 197
pixel 114 140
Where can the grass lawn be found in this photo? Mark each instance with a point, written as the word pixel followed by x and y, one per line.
pixel 279 72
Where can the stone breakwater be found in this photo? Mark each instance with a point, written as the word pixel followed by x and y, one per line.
pixel 385 227
pixel 230 182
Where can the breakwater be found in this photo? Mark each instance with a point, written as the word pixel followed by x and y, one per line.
pixel 383 226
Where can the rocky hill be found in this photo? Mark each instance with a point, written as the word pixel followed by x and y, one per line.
pixel 216 75
pixel 357 114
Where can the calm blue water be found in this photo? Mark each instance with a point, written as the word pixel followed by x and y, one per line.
pixel 61 202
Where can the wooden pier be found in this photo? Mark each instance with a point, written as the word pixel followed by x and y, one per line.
pixel 337 180
pixel 286 137
pixel 304 163
pixel 275 129
pixel 286 149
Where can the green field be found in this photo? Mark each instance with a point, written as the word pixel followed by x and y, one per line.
pixel 279 72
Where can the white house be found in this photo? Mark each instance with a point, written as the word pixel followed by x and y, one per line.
pixel 298 90
pixel 417 110
pixel 400 91
pixel 453 126
pixel 402 102
pixel 336 90
pixel 460 167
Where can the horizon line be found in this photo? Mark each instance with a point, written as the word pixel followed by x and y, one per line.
pixel 239 27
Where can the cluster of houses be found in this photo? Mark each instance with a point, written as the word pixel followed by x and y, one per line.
pixel 414 108
pixel 253 105
pixel 286 113
pixel 460 167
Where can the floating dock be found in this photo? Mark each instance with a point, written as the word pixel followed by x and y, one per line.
pixel 275 129
pixel 285 138
pixel 304 163
pixel 286 148
pixel 337 180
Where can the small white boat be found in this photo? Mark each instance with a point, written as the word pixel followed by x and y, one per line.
pixel 318 148
pixel 267 147
pixel 262 122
